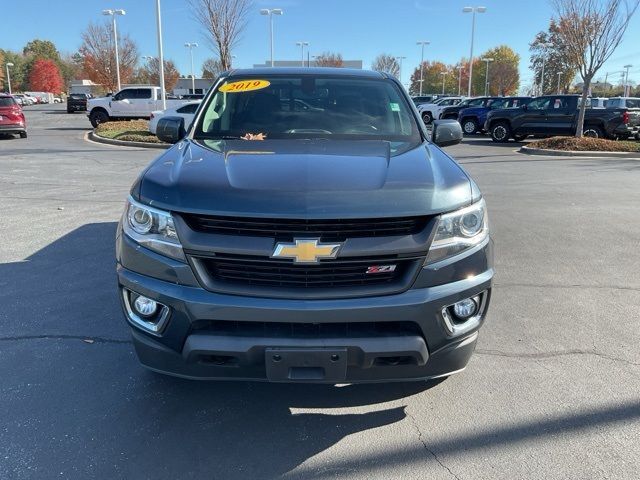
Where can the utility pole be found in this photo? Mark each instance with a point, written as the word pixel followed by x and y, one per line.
pixel 626 81
pixel 190 46
pixel 422 44
pixel 472 10
pixel 271 12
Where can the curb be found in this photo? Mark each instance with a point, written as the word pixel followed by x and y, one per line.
pixel 122 143
pixel 574 153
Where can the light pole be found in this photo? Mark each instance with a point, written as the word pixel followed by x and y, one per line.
pixel 473 11
pixel 444 76
pixel 559 75
pixel 626 81
pixel 190 46
pixel 486 75
pixel 9 64
pixel 271 12
pixel 113 14
pixel 422 44
pixel 160 55
pixel 148 59
pixel 400 71
pixel 232 57
pixel 460 68
pixel 302 45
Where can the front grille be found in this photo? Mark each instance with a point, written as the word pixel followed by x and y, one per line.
pixel 268 272
pixel 306 330
pixel 284 228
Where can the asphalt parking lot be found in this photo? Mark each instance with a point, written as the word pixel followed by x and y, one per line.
pixel 553 390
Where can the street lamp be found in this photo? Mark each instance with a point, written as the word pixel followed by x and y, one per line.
pixel 160 55
pixel 559 75
pixel 472 10
pixel 302 45
pixel 271 12
pixel 9 64
pixel 626 81
pixel 422 44
pixel 544 55
pixel 113 14
pixel 444 76
pixel 400 71
pixel 231 64
pixel 460 68
pixel 190 46
pixel 486 76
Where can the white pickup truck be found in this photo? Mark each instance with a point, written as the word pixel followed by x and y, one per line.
pixel 129 103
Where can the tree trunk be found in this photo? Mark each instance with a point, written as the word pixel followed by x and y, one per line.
pixel 583 106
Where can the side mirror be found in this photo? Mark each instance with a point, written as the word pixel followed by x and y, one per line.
pixel 170 129
pixel 446 133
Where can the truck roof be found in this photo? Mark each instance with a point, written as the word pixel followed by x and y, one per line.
pixel 346 72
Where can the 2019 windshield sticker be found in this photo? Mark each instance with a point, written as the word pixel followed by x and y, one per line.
pixel 244 86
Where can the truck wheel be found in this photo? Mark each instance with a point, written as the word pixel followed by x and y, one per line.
pixel 97 117
pixel 427 118
pixel 469 126
pixel 500 132
pixel 593 132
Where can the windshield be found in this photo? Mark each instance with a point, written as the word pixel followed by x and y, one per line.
pixel 6 102
pixel 309 106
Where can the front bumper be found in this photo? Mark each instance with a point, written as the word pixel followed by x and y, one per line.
pixel 190 347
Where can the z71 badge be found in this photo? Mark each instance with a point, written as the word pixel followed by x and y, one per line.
pixel 381 269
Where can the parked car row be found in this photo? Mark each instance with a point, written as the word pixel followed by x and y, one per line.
pixel 550 115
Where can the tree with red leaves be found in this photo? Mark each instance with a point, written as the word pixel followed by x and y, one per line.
pixel 45 76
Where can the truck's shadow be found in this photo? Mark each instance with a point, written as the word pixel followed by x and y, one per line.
pixel 133 423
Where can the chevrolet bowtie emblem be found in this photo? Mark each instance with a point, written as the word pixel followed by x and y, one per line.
pixel 306 251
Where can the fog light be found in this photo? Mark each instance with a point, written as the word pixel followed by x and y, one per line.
pixel 145 306
pixel 465 308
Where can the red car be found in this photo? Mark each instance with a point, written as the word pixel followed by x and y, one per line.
pixel 12 119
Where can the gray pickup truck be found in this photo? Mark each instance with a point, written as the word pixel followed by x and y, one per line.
pixel 304 229
pixel 557 115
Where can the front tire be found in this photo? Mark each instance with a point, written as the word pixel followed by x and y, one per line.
pixel 593 132
pixel 500 132
pixel 96 117
pixel 469 126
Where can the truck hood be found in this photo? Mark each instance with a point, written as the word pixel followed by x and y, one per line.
pixel 304 178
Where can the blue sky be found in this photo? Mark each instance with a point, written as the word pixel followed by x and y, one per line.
pixel 359 29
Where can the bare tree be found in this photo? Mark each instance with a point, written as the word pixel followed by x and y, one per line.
pixel 211 68
pixel 223 21
pixel 150 73
pixel 328 59
pixel 99 58
pixel 386 63
pixel 591 30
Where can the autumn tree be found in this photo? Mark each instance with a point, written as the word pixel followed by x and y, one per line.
pixel 504 77
pixel 19 71
pixel 45 76
pixel 211 68
pixel 329 59
pixel 99 59
pixel 149 73
pixel 549 50
pixel 223 22
pixel 433 77
pixel 386 63
pixel 591 31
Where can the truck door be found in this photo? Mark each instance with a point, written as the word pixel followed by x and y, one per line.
pixel 144 102
pixel 533 118
pixel 561 116
pixel 122 103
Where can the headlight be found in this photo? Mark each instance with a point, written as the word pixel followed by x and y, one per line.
pixel 458 231
pixel 152 228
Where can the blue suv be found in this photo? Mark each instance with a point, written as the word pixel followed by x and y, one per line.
pixel 472 119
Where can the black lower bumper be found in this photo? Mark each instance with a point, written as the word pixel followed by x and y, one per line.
pixel 302 360
pixel 12 129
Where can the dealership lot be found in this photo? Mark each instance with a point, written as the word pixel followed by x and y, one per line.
pixel 552 390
